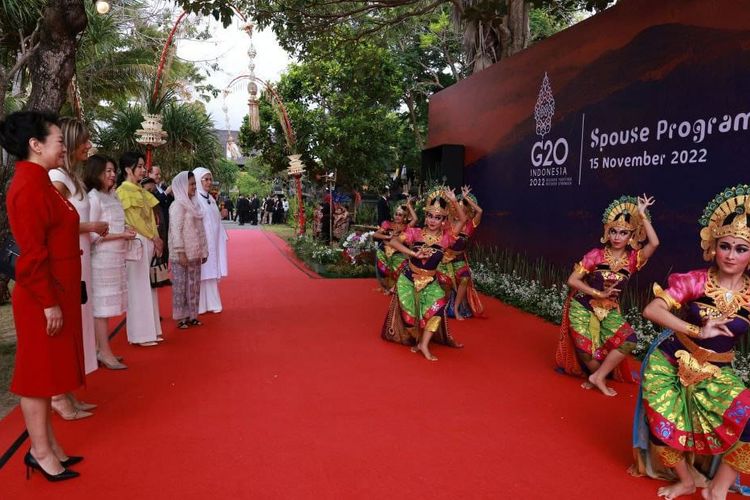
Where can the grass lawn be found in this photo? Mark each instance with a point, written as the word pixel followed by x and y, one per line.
pixel 283 231
pixel 7 359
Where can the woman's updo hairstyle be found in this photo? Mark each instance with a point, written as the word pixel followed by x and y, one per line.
pixel 439 201
pixel 625 216
pixel 20 127
pixel 129 159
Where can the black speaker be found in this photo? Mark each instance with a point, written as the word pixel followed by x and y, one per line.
pixel 444 164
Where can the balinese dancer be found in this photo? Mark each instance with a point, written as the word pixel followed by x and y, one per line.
pixel 454 271
pixel 692 403
pixel 417 311
pixel 389 261
pixel 594 336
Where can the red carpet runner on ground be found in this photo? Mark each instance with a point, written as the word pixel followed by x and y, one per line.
pixel 291 394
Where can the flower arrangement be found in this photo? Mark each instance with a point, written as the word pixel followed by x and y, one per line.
pixel 323 254
pixel 358 247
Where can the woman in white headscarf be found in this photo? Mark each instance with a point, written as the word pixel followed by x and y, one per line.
pixel 215 266
pixel 188 249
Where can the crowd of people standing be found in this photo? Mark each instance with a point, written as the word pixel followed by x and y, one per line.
pixel 90 229
pixel 273 209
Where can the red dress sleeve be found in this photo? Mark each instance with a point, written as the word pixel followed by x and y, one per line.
pixel 448 239
pixel 589 261
pixel 687 287
pixel 32 268
pixel 410 235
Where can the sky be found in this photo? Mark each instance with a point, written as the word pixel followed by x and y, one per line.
pixel 228 47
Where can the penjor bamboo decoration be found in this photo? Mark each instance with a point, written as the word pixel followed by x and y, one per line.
pixel 253 106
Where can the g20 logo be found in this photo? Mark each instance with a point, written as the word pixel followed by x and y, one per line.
pixel 548 153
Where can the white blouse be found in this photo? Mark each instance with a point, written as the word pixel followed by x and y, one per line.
pixel 106 207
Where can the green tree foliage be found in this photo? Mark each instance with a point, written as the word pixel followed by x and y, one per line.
pixel 117 58
pixel 190 143
pixel 490 29
pixel 342 111
pixel 225 172
pixel 257 179
pixel 361 109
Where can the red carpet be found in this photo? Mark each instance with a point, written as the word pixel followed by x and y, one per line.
pixel 290 393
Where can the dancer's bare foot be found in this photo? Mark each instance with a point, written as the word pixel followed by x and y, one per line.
pixel 599 384
pixel 458 316
pixel 587 385
pixel 676 490
pixel 710 494
pixel 425 352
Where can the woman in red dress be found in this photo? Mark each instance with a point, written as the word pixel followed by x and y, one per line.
pixel 47 295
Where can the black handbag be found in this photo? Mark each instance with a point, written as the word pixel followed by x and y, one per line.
pixel 84 293
pixel 9 253
pixel 159 272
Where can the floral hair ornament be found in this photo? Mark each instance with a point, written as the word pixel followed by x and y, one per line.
pixel 433 206
pixel 725 215
pixel 623 214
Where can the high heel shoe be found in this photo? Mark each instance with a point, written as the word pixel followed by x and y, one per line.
pixel 68 412
pixel 70 461
pixel 32 464
pixel 112 366
pixel 80 405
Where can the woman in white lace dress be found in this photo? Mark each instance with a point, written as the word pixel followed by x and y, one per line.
pixel 109 290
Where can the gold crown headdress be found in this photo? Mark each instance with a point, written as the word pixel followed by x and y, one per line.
pixel 725 215
pixel 433 202
pixel 623 214
pixel 467 208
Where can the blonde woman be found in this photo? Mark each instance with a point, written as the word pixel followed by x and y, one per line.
pixel 67 179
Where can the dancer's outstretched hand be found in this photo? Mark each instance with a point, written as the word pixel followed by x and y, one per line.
pixel 450 194
pixel 716 328
pixel 644 202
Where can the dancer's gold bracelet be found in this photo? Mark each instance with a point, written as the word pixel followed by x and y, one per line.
pixel 693 330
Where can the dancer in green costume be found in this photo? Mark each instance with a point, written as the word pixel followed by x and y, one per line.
pixel 693 406
pixel 417 311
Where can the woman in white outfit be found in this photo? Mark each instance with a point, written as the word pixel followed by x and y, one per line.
pixel 215 267
pixel 143 324
pixel 109 287
pixel 67 180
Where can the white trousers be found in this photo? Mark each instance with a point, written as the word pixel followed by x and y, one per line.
pixel 143 302
pixel 87 309
pixel 210 299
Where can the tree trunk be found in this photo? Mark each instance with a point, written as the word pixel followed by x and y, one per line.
pixel 53 64
pixel 488 40
pixel 419 141
pixel 517 22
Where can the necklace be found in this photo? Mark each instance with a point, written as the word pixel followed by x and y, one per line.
pixel 430 239
pixel 727 301
pixel 206 197
pixel 615 264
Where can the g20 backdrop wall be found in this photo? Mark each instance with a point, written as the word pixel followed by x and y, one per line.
pixel 648 96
